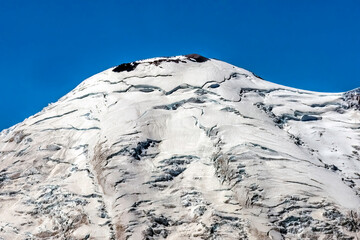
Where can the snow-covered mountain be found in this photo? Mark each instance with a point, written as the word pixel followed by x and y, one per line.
pixel 184 148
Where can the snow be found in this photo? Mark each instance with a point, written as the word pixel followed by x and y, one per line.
pixel 163 152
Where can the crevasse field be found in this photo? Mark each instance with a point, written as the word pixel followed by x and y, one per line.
pixel 184 148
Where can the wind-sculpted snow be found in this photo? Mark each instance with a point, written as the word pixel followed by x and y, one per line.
pixel 183 148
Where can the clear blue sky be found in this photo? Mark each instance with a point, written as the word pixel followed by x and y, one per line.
pixel 48 47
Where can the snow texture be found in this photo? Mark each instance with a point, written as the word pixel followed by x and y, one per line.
pixel 184 147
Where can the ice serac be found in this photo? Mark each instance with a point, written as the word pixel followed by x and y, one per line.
pixel 183 147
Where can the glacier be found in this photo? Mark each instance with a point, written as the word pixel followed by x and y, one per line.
pixel 184 147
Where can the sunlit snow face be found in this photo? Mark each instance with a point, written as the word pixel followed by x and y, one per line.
pixel 183 147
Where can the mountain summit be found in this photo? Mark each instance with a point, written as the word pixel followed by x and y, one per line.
pixel 184 147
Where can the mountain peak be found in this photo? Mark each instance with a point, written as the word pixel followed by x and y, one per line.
pixel 157 61
pixel 183 147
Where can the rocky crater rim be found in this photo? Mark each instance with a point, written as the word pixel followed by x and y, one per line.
pixel 157 61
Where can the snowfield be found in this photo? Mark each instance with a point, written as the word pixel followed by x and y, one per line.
pixel 184 148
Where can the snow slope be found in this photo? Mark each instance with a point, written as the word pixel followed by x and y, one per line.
pixel 184 148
